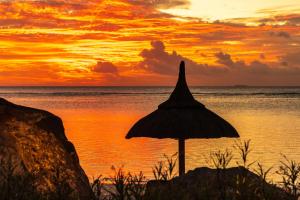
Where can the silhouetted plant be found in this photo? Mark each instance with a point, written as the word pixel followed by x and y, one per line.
pixel 171 163
pixel 242 180
pixel 164 170
pixel 127 186
pixel 136 186
pixel 158 170
pixel 120 184
pixel 244 150
pixel 97 186
pixel 261 189
pixel 221 160
pixel 290 172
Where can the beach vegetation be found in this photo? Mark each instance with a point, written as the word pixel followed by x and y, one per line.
pixel 240 180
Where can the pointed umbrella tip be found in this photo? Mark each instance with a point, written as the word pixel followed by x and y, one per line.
pixel 182 64
pixel 182 69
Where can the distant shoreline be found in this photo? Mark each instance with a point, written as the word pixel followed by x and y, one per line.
pixel 147 86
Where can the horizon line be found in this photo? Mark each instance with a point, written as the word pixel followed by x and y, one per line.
pixel 237 86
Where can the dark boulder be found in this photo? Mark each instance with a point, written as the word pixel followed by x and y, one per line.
pixel 33 144
pixel 215 184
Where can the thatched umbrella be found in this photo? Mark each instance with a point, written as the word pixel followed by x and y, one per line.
pixel 182 117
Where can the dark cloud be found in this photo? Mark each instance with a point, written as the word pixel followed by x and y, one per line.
pixel 220 36
pixel 39 20
pixel 164 4
pixel 256 72
pixel 105 67
pixel 291 59
pixel 226 70
pixel 282 34
pixel 230 23
pixel 74 5
pixel 259 68
pixel 104 26
pixel 292 19
pixel 224 59
pixel 240 65
pixel 159 61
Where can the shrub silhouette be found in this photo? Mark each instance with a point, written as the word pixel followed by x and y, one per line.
pixel 237 183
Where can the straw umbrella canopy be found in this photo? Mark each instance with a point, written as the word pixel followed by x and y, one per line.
pixel 182 117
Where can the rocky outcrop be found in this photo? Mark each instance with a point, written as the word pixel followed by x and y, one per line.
pixel 33 142
pixel 205 183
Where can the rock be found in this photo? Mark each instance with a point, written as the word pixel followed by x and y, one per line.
pixel 205 183
pixel 33 142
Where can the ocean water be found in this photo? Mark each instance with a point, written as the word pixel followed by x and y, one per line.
pixel 96 120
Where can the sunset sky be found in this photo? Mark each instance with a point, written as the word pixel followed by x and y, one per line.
pixel 140 42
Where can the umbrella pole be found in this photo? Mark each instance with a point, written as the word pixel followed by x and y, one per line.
pixel 181 156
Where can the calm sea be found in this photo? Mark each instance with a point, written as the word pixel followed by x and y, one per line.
pixel 97 119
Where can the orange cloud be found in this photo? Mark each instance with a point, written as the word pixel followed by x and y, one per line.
pixel 72 36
